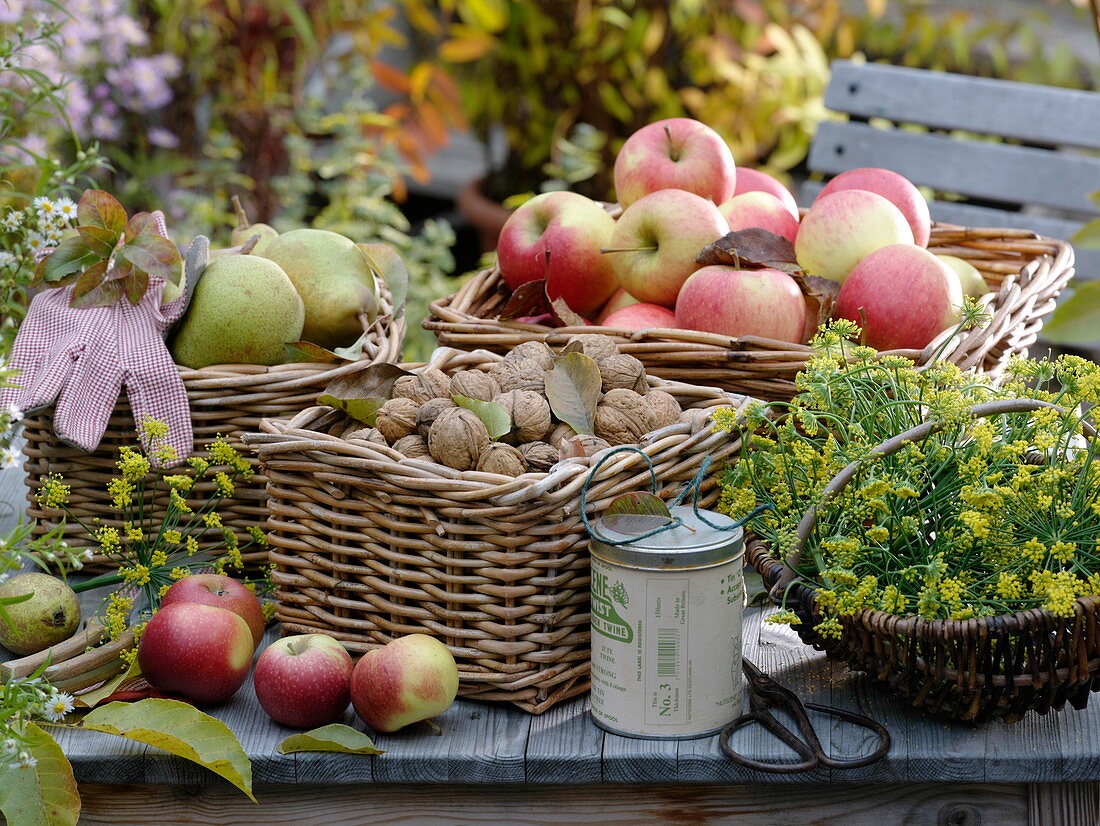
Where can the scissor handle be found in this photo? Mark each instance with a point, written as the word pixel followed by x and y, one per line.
pixel 810 758
pixel 859 720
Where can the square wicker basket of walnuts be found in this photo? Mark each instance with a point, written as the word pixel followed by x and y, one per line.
pixel 441 519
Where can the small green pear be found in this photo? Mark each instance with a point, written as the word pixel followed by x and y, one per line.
pixel 244 309
pixel 245 230
pixel 335 279
pixel 50 616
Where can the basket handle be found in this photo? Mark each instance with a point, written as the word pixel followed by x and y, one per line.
pixel 887 448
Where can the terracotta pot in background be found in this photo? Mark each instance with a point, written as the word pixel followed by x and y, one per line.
pixel 486 215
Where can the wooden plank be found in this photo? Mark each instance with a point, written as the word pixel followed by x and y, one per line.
pixel 624 805
pixel 13 500
pixel 1063 804
pixel 1027 112
pixel 563 746
pixel 977 169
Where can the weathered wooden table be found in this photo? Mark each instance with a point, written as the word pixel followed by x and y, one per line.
pixel 496 763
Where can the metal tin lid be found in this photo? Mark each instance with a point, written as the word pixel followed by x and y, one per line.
pixel 693 544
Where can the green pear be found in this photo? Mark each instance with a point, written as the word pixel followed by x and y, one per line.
pixel 50 616
pixel 245 230
pixel 334 278
pixel 244 309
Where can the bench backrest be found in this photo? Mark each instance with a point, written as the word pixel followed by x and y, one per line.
pixel 1048 167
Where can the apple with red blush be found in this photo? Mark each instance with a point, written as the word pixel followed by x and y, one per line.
pixel 731 302
pixel 222 592
pixel 759 209
pixel 902 296
pixel 753 180
pixel 304 681
pixel 843 228
pixel 677 153
pixel 198 651
pixel 558 236
pixel 641 316
pixel 619 299
pixel 895 188
pixel 409 679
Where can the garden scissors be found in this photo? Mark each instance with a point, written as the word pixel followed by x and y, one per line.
pixel 766 694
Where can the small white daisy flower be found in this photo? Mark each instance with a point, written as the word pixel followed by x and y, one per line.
pixel 66 208
pixel 13 220
pixel 44 205
pixel 25 760
pixel 59 706
pixel 15 414
pixel 9 747
pixel 11 458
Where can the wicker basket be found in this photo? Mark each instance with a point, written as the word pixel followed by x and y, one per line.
pixel 1028 272
pixel 369 545
pixel 972 670
pixel 225 400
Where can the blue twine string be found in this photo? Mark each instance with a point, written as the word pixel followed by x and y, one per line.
pixel 693 486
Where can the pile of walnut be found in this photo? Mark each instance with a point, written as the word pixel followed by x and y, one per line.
pixel 421 420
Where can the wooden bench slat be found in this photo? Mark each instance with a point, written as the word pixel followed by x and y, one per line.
pixel 978 169
pixel 1024 111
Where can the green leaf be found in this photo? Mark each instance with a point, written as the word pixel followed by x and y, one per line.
pixel 1077 319
pixel 44 794
pixel 179 729
pixel 1088 236
pixel 100 241
pixel 492 415
pixel 307 351
pixel 335 737
pixel 89 699
pixel 573 390
pixel 89 280
pixel 153 255
pixel 488 15
pixel 97 208
pixel 70 256
pixel 637 512
pixel 388 265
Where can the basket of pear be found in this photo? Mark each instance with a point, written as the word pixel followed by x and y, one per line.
pixel 445 499
pixel 272 321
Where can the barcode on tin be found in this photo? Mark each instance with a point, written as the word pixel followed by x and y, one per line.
pixel 668 651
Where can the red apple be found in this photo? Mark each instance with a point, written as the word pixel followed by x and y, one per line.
pixel 895 188
pixel 641 317
pixel 558 236
pixel 656 240
pixel 678 153
pixel 198 651
pixel 409 679
pixel 619 299
pixel 304 681
pixel 733 302
pixel 759 209
pixel 221 592
pixel 842 229
pixel 902 296
pixel 753 180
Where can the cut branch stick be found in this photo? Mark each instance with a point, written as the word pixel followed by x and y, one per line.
pixel 62 652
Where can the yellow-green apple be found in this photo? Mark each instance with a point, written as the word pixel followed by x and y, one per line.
pixel 656 240
pixel 843 228
pixel 895 188
pixel 972 282
pixel 732 302
pixel 304 681
pixel 759 209
pixel 558 236
pixel 753 180
pixel 641 316
pixel 222 592
pixel 409 679
pixel 901 295
pixel 197 651
pixel 678 153
pixel 619 299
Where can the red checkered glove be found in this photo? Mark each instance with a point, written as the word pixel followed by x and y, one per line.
pixel 82 358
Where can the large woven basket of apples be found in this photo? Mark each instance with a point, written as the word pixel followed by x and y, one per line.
pixel 709 274
pixel 272 321
pixel 445 500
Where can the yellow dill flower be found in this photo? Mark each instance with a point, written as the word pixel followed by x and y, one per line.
pixel 165 455
pixel 830 627
pixel 1063 551
pixel 138 574
pixel 212 519
pixel 1060 592
pixel 120 490
pixel 977 522
pixel 133 534
pixel 198 464
pixel 179 573
pixel 108 539
pixel 180 482
pixel 892 600
pixel 158 559
pixel 1033 550
pixel 951 591
pixel 725 419
pixel 128 656
pixel 116 614
pixel 223 483
pixel 192 545
pixel 52 493
pixel 133 465
pixel 928 601
pixel 269 611
pixel 174 537
pixel 1009 586
pixel 784 617
pixel 258 535
pixel 163 589
pixel 153 430
pixel 178 502
pixel 877 534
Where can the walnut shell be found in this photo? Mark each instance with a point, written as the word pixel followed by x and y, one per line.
pixel 539 456
pixel 497 457
pixel 530 414
pixel 396 419
pixel 623 372
pixel 590 445
pixel 534 350
pixel 412 447
pixel 473 384
pixel 559 434
pixel 596 346
pixel 425 384
pixel 623 417
pixel 429 412
pixel 367 434
pixel 525 374
pixel 665 409
pixel 457 438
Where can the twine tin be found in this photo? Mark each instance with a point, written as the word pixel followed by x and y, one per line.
pixel 666 628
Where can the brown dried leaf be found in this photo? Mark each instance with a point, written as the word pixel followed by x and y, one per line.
pixel 820 292
pixel 751 249
pixel 375 381
pixel 562 311
pixel 573 390
pixel 528 299
pixel 636 513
